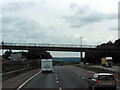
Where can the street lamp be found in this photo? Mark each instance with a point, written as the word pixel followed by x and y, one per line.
pixel 12 41
pixel 81 41
pixel 81 53
pixel 3 38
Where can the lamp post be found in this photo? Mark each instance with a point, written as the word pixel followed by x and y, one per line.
pixel 12 41
pixel 3 41
pixel 81 54
pixel 3 38
pixel 81 41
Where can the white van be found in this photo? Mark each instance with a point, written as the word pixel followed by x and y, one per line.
pixel 47 65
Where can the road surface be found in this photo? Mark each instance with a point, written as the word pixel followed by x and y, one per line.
pixel 62 79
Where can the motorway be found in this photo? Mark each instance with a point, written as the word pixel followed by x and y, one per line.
pixel 63 78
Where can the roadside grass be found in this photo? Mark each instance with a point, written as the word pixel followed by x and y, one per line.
pixel 14 71
pixel 117 64
pixel 97 70
pixel 11 68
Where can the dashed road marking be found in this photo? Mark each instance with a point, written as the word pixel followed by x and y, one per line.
pixel 90 71
pixel 83 77
pixel 55 74
pixel 57 81
pixel 27 81
pixel 56 78
pixel 118 87
pixel 78 75
pixel 60 88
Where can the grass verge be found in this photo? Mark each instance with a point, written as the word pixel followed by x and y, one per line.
pixel 97 70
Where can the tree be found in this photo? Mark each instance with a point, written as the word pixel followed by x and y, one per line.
pixel 37 54
pixel 6 55
pixel 95 57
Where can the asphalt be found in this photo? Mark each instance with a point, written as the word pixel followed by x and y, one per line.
pixel 68 79
pixel 46 80
pixel 61 79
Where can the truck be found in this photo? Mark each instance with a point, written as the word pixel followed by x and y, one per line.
pixel 47 65
pixel 107 62
pixel 103 62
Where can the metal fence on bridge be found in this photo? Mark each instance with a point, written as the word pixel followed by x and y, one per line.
pixel 48 45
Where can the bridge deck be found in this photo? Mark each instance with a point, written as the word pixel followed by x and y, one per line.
pixel 48 45
pixel 56 47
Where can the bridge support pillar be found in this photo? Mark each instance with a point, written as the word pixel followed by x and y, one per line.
pixel 10 50
pixel 81 56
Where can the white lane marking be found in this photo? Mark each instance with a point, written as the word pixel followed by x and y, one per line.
pixel 57 81
pixel 60 88
pixel 83 77
pixel 27 81
pixel 56 75
pixel 78 75
pixel 90 71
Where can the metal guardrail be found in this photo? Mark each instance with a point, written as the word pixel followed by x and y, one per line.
pixel 48 45
pixel 105 69
pixel 15 71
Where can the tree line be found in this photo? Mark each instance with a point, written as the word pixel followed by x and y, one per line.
pixel 29 59
pixel 95 57
pixel 30 55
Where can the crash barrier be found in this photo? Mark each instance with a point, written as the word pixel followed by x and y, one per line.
pixel 7 75
pixel 97 69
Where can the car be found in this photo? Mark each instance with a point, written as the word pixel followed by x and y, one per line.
pixel 102 80
pixel 87 64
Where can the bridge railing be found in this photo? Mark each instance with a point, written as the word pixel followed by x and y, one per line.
pixel 48 45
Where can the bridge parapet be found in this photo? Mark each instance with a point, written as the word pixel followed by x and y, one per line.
pixel 48 45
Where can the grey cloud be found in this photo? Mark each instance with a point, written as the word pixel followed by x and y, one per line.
pixel 114 29
pixel 11 7
pixel 27 29
pixel 85 15
pixel 111 16
pixel 16 6
pixel 10 19
pixel 27 24
pixel 22 28
pixel 51 28
pixel 73 5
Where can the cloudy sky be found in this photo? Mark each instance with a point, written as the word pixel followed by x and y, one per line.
pixel 59 21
